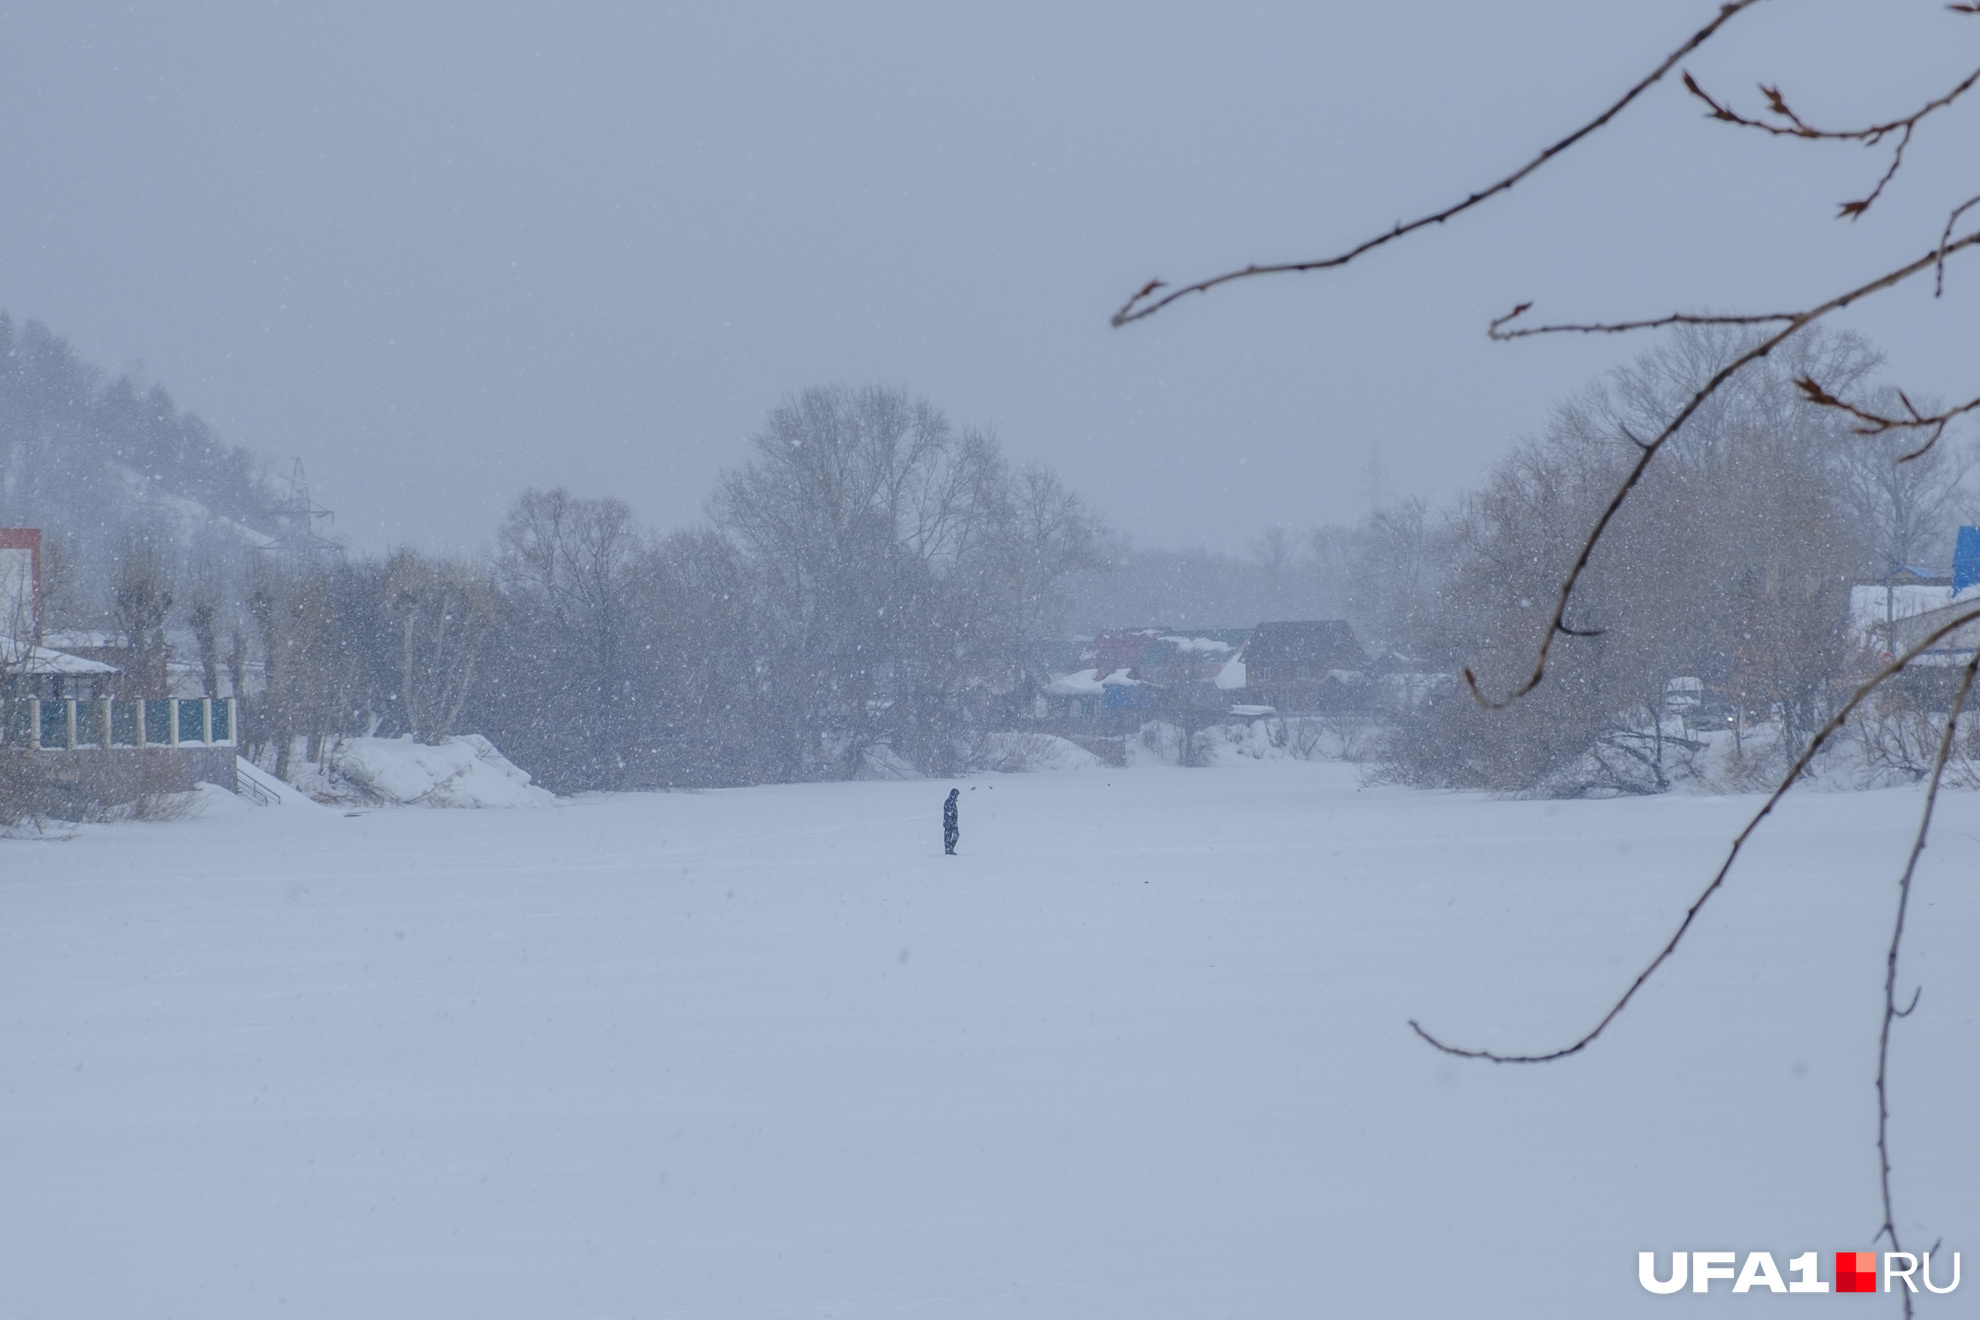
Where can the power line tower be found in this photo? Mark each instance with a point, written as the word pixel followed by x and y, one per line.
pixel 296 516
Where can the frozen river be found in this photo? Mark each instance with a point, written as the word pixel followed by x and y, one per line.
pixel 1139 1051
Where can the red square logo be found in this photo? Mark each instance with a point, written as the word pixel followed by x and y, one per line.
pixel 1856 1271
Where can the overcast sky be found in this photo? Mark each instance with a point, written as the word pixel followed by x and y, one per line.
pixel 447 252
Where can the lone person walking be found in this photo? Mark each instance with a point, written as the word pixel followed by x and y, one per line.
pixel 950 830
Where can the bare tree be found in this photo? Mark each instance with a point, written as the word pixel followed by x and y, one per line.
pixel 265 719
pixel 61 602
pixel 328 666
pixel 443 613
pixel 1731 567
pixel 720 701
pixel 899 566
pixel 1908 501
pixel 1394 575
pixel 1273 551
pixel 1048 535
pixel 207 589
pixel 573 556
pixel 140 603
pixel 871 577
pixel 238 659
pixel 574 573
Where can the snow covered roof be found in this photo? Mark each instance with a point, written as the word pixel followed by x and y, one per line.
pixel 1187 656
pixel 1087 683
pixel 1887 619
pixel 83 640
pixel 41 660
pixel 1944 658
pixel 1119 648
pixel 1209 645
pixel 1873 608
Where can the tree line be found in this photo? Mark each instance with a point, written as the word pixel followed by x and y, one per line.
pixel 1732 565
pixel 872 577
pixel 875 580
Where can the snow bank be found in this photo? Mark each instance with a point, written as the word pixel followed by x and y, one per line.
pixel 461 772
pixel 1024 753
pixel 212 800
pixel 1252 739
pixel 1156 743
pixel 261 788
pixel 1006 752
pixel 1251 736
pixel 882 762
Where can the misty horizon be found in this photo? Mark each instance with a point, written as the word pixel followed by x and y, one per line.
pixel 447 256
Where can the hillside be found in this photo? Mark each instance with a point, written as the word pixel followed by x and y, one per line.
pixel 93 459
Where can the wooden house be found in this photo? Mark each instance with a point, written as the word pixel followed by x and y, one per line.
pixel 1311 665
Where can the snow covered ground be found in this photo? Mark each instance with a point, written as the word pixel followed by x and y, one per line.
pixel 1139 1051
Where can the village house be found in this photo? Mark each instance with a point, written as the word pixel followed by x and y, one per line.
pixel 1128 675
pixel 1891 617
pixel 85 739
pixel 1102 695
pixel 1180 657
pixel 1306 666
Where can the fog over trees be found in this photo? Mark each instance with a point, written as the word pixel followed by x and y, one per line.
pixel 877 581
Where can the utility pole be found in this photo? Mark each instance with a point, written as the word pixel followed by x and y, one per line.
pixel 1372 477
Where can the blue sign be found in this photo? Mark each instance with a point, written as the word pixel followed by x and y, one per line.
pixel 1966 559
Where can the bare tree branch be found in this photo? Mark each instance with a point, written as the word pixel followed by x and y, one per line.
pixel 1788 781
pixel 1495 330
pixel 1793 125
pixel 1939 282
pixel 1891 1011
pixel 1648 450
pixel 1875 423
pixel 1139 306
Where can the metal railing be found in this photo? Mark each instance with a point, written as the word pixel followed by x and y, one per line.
pixel 250 786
